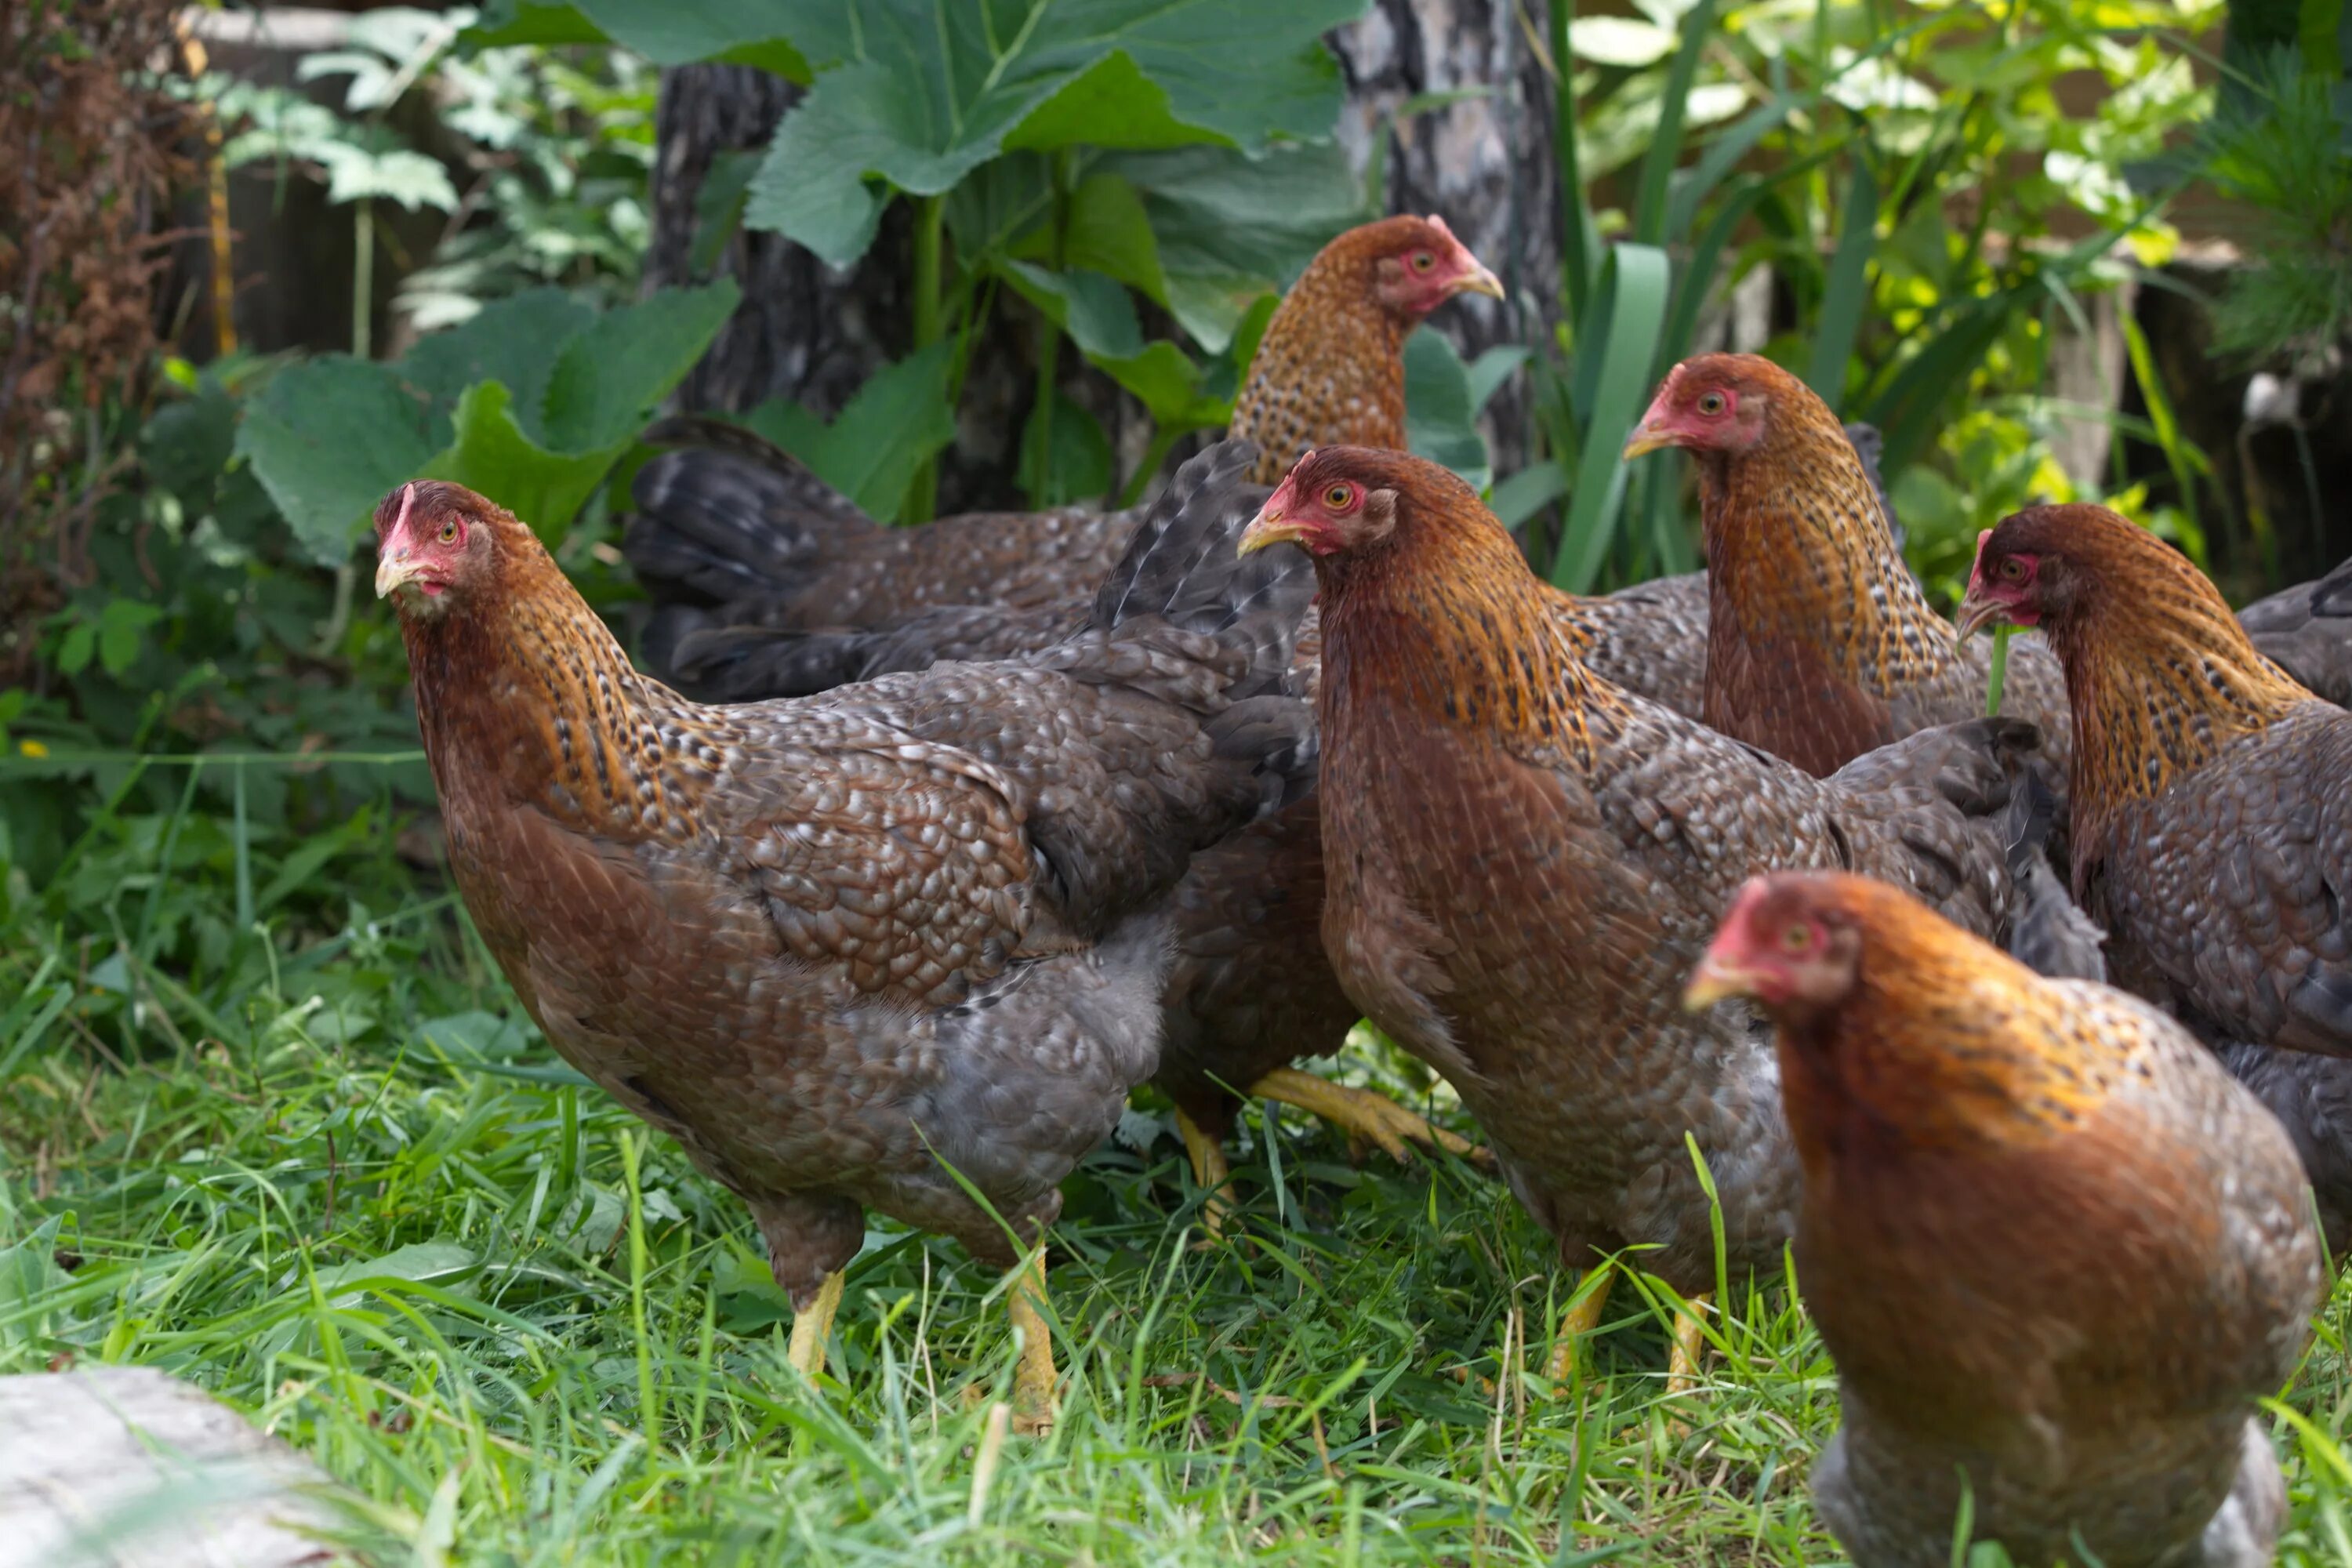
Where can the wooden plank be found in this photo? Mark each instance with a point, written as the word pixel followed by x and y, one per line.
pixel 117 1467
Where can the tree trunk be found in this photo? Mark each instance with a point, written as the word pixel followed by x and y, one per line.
pixel 807 332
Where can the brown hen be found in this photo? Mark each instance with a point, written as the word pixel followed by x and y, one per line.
pixel 776 548
pixel 1820 643
pixel 2213 809
pixel 2056 1252
pixel 1522 861
pixel 860 949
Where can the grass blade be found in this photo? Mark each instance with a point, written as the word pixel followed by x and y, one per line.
pixel 1666 146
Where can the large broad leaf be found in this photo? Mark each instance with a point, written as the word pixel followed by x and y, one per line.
pixel 1231 228
pixel 931 91
pixel 666 32
pixel 628 360
pixel 328 438
pixel 516 341
pixel 1095 310
pixel 492 455
pixel 1441 421
pixel 898 420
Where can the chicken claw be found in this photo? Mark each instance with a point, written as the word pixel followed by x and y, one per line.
pixel 1582 1319
pixel 1362 1113
pixel 1690 1344
pixel 1211 1171
pixel 811 1326
pixel 1035 1377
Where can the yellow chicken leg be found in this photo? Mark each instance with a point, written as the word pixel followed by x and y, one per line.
pixel 1372 1117
pixel 811 1326
pixel 1582 1319
pixel 1034 1378
pixel 1211 1171
pixel 1690 1342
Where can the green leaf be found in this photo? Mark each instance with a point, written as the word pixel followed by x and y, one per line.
pixel 612 375
pixel 1165 379
pixel 419 1262
pixel 1110 232
pixel 1847 290
pixel 933 91
pixel 899 421
pixel 412 179
pixel 1529 491
pixel 1093 309
pixel 119 626
pixel 1617 346
pixel 186 443
pixel 328 438
pixel 517 341
pixel 1441 422
pixel 1232 229
pixel 1490 370
pixel 666 32
pixel 1079 461
pixel 492 455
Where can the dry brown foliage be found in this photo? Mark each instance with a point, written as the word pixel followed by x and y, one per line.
pixel 93 147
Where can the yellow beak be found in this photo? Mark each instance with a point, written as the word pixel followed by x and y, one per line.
pixel 1268 528
pixel 1715 980
pixel 391 571
pixel 1977 611
pixel 1646 438
pixel 1480 279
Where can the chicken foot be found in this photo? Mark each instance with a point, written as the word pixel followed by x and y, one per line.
pixel 1690 1344
pixel 1211 1171
pixel 1360 1113
pixel 811 1326
pixel 1582 1319
pixel 1034 1376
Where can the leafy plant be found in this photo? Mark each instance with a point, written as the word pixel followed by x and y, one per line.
pixel 532 402
pixel 1087 162
pixel 1868 175
pixel 2282 147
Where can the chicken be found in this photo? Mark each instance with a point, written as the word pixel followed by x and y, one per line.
pixel 2306 630
pixel 724 539
pixel 859 950
pixel 1522 861
pixel 2212 796
pixel 1820 643
pixel 2054 1251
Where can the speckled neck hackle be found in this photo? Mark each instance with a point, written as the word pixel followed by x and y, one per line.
pixel 519 683
pixel 1330 370
pixel 1944 1042
pixel 2160 674
pixel 1446 619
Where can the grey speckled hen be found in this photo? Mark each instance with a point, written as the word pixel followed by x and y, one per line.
pixel 833 945
pixel 2212 796
pixel 1523 861
pixel 2056 1252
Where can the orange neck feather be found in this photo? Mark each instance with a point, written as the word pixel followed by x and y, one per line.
pixel 521 687
pixel 2160 677
pixel 1945 1043
pixel 1451 624
pixel 1799 550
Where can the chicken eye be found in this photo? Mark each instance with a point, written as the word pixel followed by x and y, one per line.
pixel 1712 403
pixel 449 532
pixel 1339 496
pixel 1423 261
pixel 2013 569
pixel 1796 939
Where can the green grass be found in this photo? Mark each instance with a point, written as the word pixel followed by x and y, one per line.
pixel 334 1177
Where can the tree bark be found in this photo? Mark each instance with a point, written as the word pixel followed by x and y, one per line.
pixel 813 334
